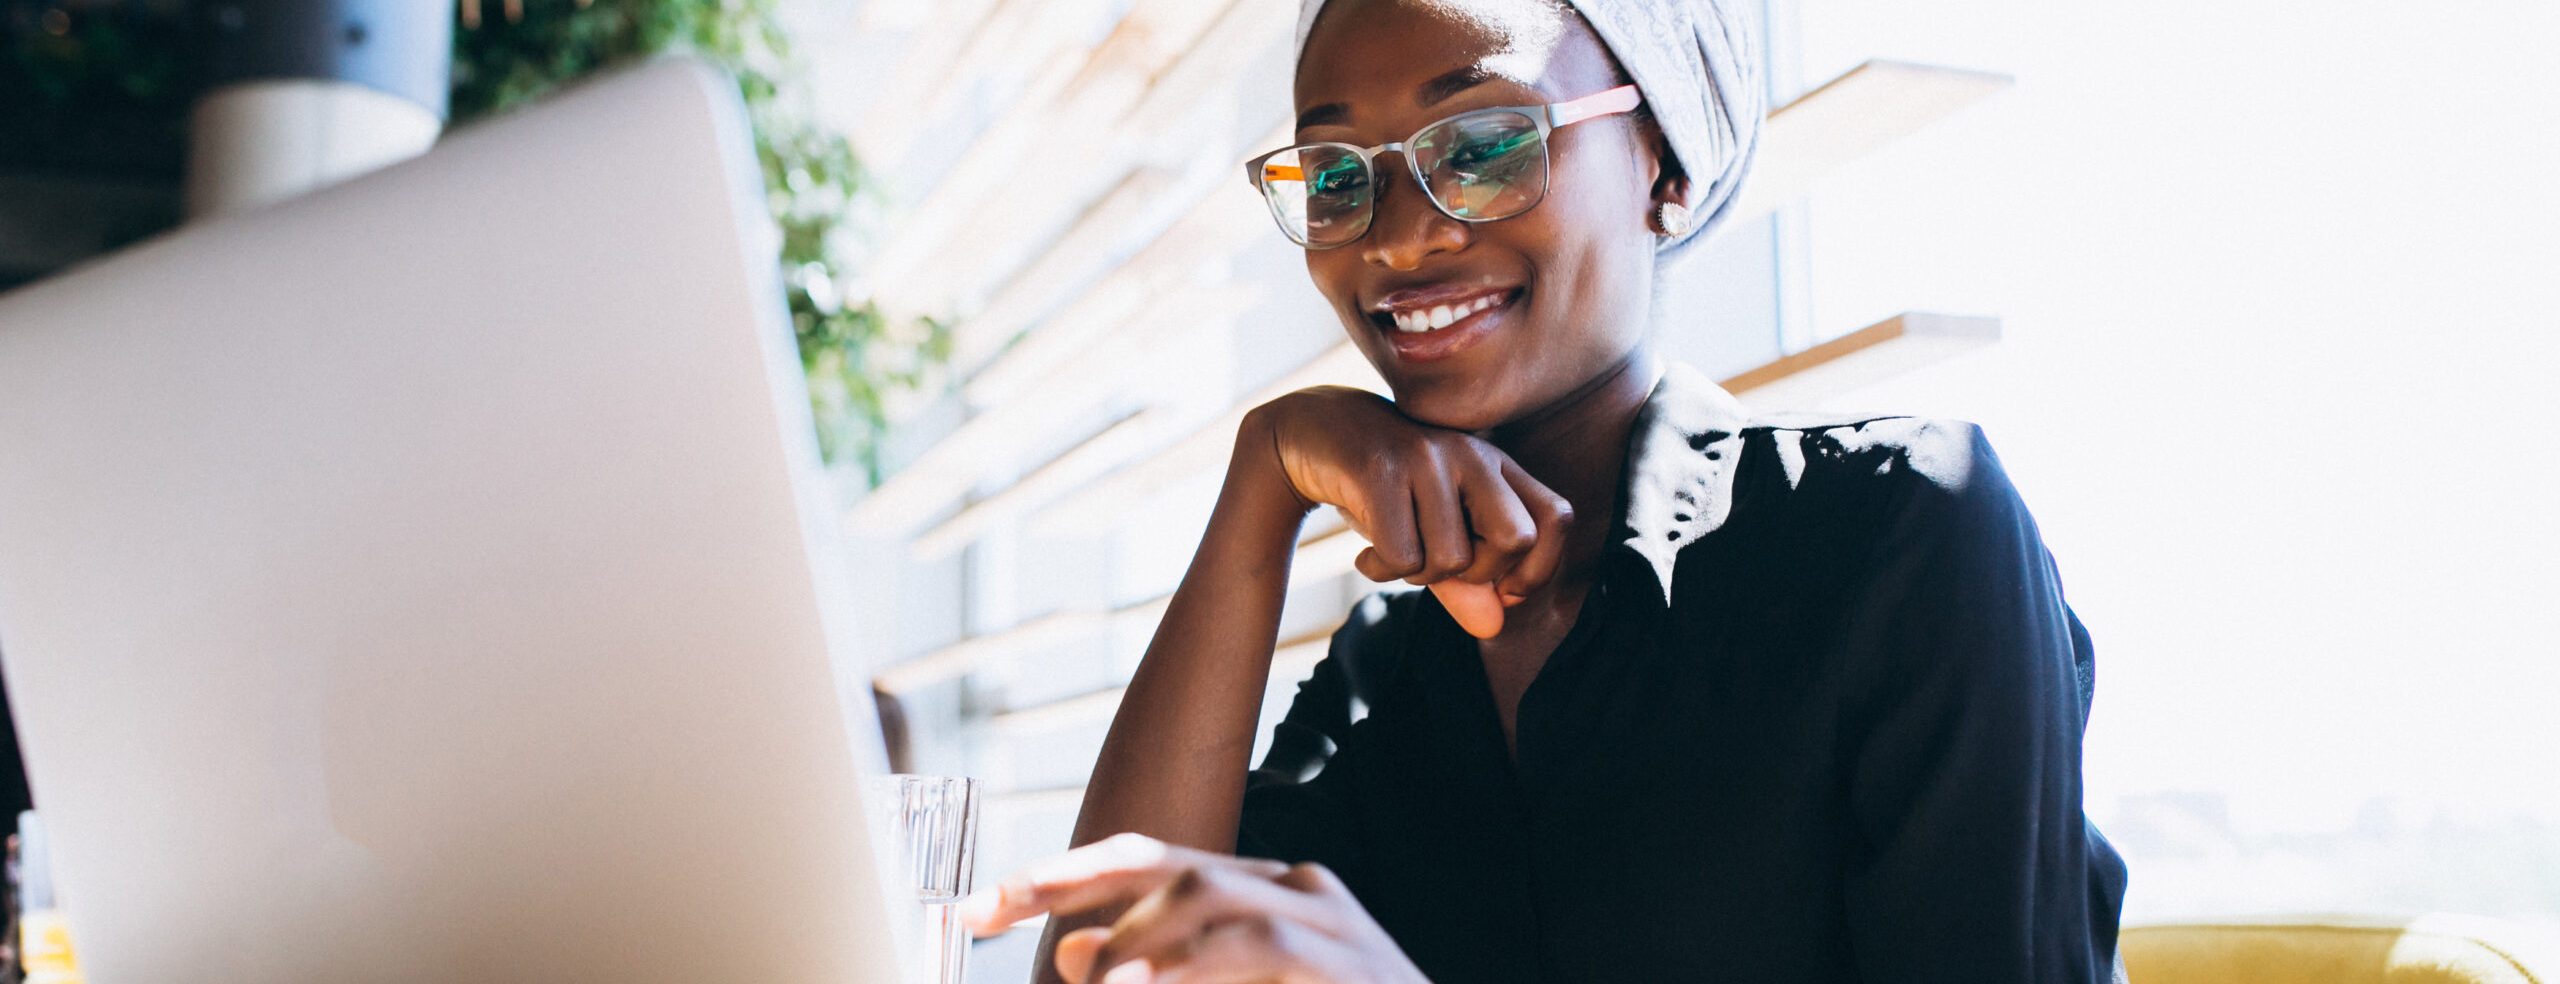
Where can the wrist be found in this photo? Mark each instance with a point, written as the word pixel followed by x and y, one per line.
pixel 1255 472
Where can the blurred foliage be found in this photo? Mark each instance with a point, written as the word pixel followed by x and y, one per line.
pixel 858 361
pixel 96 86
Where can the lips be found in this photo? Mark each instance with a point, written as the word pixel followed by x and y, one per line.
pixel 1430 323
pixel 1440 315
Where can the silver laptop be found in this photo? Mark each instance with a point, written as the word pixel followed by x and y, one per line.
pixel 429 580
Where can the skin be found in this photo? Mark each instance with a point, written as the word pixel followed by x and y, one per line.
pixel 1470 481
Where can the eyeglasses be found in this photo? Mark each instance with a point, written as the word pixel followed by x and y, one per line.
pixel 1477 166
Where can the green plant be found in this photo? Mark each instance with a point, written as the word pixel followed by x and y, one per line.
pixel 857 360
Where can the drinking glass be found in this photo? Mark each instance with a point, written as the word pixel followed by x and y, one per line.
pixel 931 823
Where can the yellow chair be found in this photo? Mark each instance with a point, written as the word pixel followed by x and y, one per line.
pixel 2340 949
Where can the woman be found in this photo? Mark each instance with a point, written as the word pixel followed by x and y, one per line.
pixel 1690 696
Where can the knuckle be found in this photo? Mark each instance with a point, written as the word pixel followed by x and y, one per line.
pixel 1257 927
pixel 1371 565
pixel 1135 847
pixel 1388 461
pixel 1314 875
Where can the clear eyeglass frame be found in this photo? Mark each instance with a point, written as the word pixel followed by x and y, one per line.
pixel 1262 172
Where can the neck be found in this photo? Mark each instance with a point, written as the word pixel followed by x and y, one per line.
pixel 1577 446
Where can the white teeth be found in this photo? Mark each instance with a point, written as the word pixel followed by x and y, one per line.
pixel 1442 316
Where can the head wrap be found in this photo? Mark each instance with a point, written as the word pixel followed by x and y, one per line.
pixel 1697 64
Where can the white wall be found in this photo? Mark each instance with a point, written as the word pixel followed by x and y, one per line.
pixel 2281 287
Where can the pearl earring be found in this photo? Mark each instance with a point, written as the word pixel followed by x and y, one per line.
pixel 1672 218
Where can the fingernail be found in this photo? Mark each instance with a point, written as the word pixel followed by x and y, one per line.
pixel 1133 972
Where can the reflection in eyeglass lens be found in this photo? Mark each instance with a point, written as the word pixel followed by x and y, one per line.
pixel 1319 194
pixel 1485 167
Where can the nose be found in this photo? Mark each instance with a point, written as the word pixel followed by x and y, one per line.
pixel 1406 226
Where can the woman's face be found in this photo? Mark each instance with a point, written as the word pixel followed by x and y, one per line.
pixel 1572 278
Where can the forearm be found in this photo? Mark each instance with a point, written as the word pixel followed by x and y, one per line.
pixel 1173 764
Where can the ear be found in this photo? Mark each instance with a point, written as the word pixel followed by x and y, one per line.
pixel 1670 181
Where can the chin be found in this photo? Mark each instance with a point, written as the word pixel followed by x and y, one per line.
pixel 1452 411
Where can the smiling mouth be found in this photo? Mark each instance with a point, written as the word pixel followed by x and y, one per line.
pixel 1421 320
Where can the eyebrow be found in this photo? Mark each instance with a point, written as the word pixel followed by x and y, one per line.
pixel 1442 86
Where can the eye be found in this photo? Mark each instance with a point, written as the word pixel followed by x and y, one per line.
pixel 1480 150
pixel 1338 178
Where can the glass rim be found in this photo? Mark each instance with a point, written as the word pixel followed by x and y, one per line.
pixel 1546 118
pixel 1368 158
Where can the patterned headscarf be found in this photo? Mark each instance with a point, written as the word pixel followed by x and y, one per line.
pixel 1697 63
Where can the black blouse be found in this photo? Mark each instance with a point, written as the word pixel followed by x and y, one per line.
pixel 1847 748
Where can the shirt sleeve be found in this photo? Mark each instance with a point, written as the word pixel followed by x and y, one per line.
pixel 1298 805
pixel 1965 688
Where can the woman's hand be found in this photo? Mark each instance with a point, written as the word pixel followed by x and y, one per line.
pixel 1439 507
pixel 1195 917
